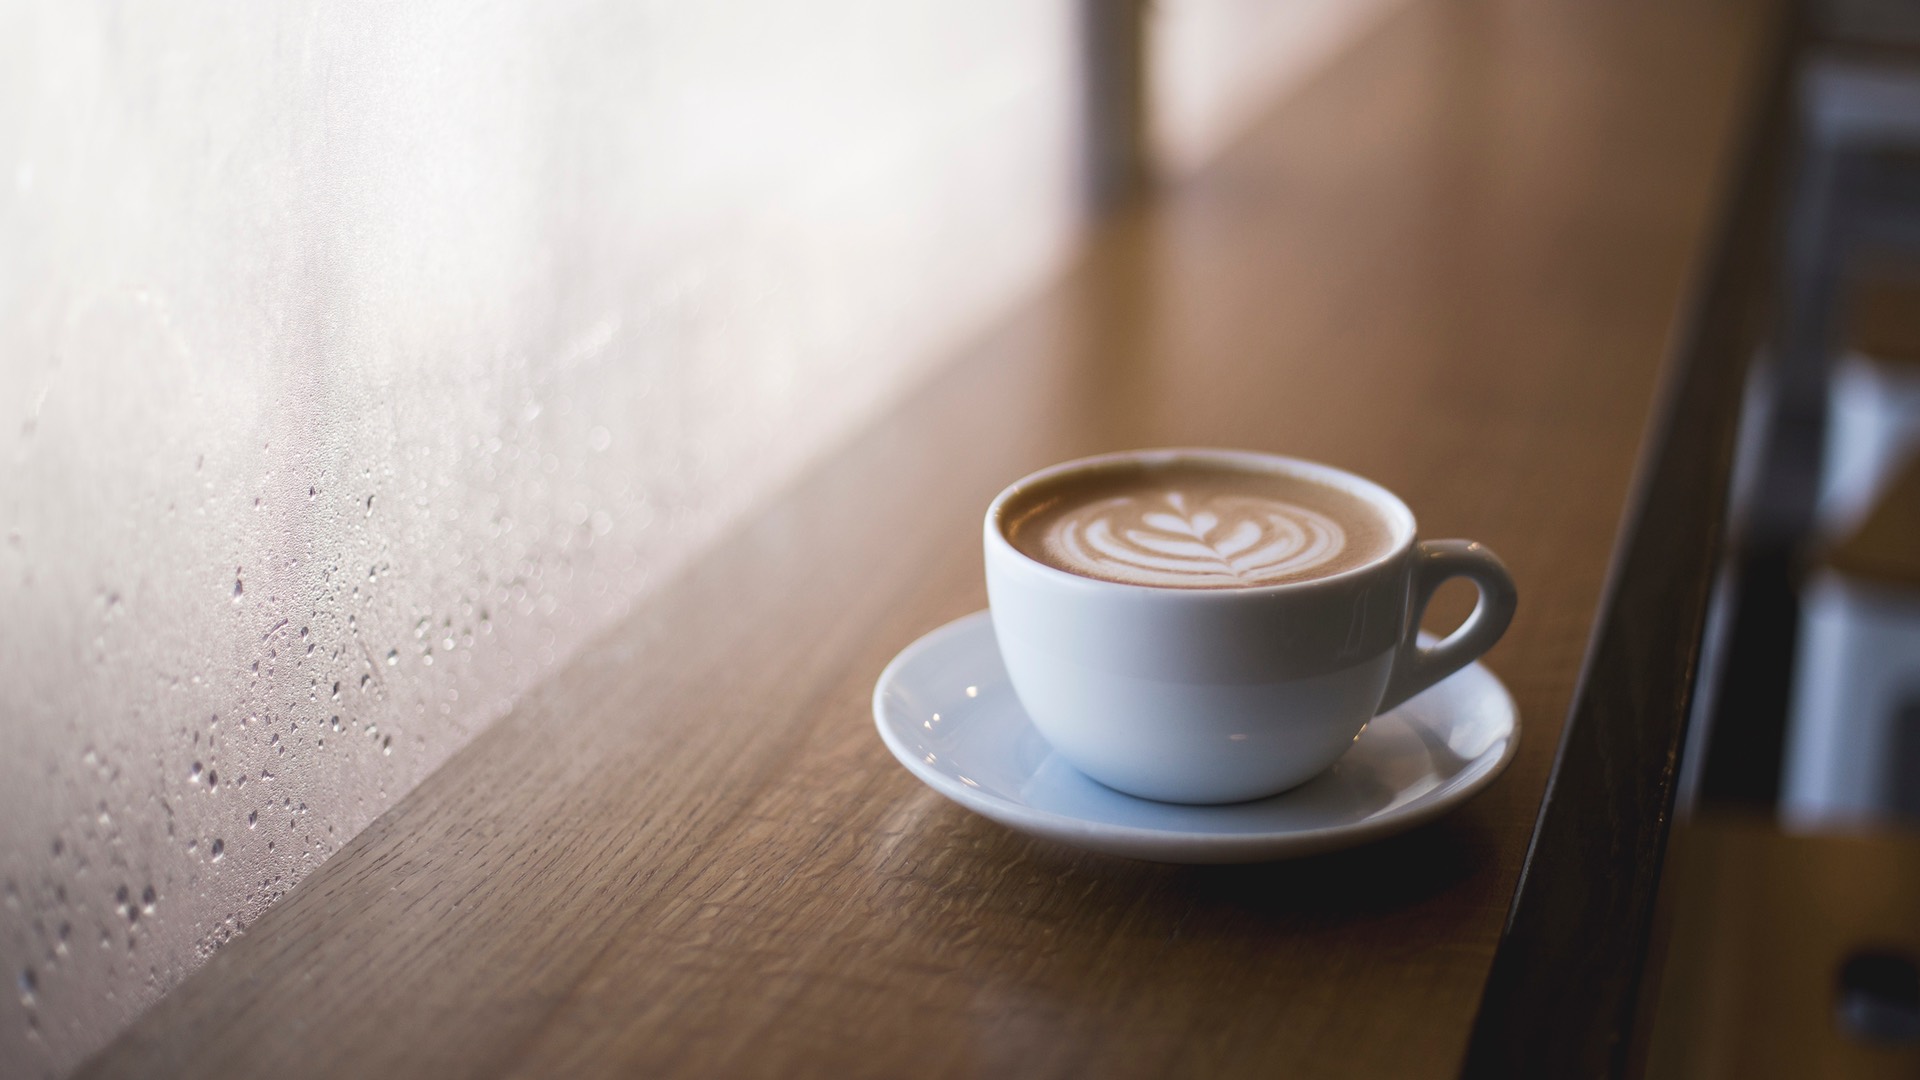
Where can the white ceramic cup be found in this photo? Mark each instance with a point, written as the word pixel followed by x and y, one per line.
pixel 1223 695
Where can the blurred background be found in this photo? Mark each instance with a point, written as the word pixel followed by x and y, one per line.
pixel 359 362
pixel 1790 940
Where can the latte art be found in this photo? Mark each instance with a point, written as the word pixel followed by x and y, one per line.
pixel 1175 539
pixel 1195 525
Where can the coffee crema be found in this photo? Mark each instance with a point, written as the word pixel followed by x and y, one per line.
pixel 1189 525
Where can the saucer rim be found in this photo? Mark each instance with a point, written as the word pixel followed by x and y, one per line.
pixel 1171 845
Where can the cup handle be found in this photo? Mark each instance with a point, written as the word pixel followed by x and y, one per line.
pixel 1435 561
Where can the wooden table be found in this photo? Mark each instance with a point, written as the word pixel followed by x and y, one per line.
pixel 1454 262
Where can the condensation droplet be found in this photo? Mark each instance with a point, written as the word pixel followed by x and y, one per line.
pixel 253 818
pixel 393 657
pixel 239 587
pixel 149 900
pixel 213 778
pixel 365 681
pixel 369 506
pixel 194 773
pixel 218 850
pixel 29 986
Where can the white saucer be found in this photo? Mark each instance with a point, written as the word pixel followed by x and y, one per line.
pixel 946 710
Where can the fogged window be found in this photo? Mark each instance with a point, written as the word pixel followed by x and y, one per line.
pixel 357 364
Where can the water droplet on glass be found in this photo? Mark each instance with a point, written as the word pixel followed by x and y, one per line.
pixel 194 773
pixel 393 657
pixel 253 818
pixel 365 680
pixel 369 506
pixel 218 850
pixel 336 690
pixel 239 587
pixel 386 746
pixel 149 899
pixel 213 778
pixel 29 986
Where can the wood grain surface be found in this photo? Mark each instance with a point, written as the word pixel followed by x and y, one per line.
pixel 1451 263
pixel 1565 989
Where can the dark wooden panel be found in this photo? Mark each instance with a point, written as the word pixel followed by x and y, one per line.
pixel 1452 263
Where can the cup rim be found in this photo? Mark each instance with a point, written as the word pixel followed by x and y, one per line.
pixel 1374 494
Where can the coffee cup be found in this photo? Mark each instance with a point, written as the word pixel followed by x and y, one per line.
pixel 1213 626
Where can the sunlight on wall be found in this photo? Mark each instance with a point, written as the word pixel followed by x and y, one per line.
pixel 1217 63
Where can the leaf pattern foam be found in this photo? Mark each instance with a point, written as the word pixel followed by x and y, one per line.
pixel 1173 539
